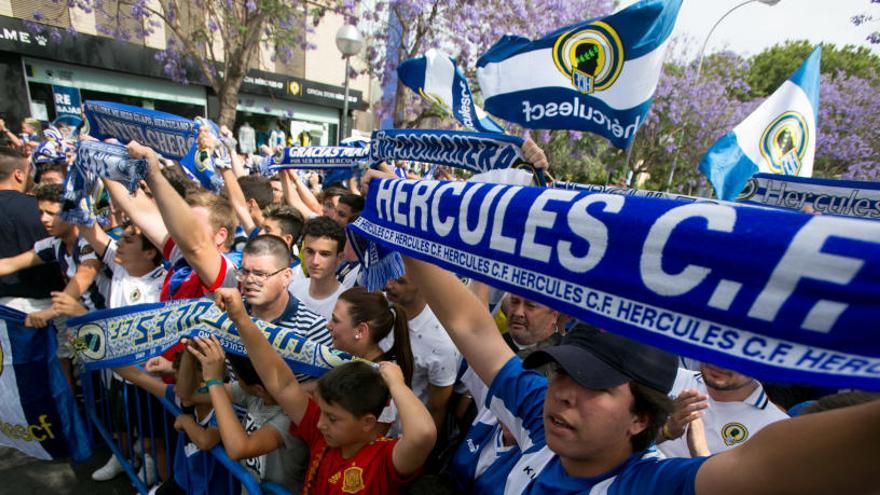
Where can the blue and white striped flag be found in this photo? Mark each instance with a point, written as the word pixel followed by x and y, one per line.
pixel 38 414
pixel 597 76
pixel 779 137
pixel 436 78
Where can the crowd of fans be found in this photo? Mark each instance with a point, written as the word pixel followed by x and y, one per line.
pixel 472 390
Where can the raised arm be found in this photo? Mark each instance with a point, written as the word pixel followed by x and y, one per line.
pixel 96 237
pixel 417 427
pixel 464 317
pixel 140 210
pixel 831 452
pixel 237 199
pixel 187 380
pixel 194 241
pixel 306 195
pixel 291 197
pixel 237 442
pixel 276 376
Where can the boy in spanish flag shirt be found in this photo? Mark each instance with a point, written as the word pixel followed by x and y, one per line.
pixel 348 455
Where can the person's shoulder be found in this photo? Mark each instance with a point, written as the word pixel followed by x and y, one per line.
pixel 653 474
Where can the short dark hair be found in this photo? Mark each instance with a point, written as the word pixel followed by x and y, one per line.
pixel 179 181
pixel 49 192
pixel 244 370
pixel 289 219
pixel 839 400
pixel 656 406
pixel 353 201
pixel 257 187
pixel 324 226
pixel 268 245
pixel 50 167
pixel 11 160
pixel 356 387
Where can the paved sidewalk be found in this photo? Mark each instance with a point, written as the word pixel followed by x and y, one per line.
pixel 23 475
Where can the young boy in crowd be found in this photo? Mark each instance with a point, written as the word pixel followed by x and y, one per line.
pixel 77 260
pixel 195 470
pixel 340 424
pixel 323 244
pixel 263 444
pixel 137 276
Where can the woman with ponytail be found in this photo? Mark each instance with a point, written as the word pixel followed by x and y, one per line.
pixel 360 321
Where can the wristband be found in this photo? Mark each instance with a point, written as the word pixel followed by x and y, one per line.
pixel 208 383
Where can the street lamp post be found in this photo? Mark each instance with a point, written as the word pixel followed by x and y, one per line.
pixel 349 41
pixel 768 3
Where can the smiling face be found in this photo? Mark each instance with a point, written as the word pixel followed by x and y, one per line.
pixel 583 425
pixel 130 248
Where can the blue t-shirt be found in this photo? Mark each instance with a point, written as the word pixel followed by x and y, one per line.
pixel 195 470
pixel 516 396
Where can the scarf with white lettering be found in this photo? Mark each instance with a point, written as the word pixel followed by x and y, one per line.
pixel 94 160
pixel 132 334
pixel 775 294
pixel 473 151
pixel 171 136
pixel 860 199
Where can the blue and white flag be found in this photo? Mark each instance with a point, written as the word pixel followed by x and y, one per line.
pixel 38 414
pixel 851 198
pixel 169 135
pixel 597 76
pixel 779 137
pixel 796 306
pixel 436 78
pixel 132 334
pixel 474 151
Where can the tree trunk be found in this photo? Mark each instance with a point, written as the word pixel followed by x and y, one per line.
pixel 228 99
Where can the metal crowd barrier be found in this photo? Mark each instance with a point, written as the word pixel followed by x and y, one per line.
pixel 100 420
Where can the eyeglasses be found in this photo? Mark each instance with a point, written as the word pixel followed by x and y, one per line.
pixel 243 274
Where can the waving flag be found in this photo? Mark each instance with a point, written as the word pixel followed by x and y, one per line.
pixel 436 78
pixel 38 415
pixel 597 76
pixel 779 137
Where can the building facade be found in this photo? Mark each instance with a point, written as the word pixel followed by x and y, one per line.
pixel 45 74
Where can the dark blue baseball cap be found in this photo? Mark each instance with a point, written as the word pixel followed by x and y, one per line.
pixel 600 360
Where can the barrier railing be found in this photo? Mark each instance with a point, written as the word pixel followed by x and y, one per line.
pixel 128 441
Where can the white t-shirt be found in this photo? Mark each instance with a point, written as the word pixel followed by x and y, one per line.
pixel 299 287
pixel 126 290
pixel 436 359
pixel 727 424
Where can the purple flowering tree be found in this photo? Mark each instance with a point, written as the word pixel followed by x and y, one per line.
pixel 214 41
pixel 848 144
pixel 462 28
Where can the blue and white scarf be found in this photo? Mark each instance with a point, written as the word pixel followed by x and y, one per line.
pixel 775 294
pixel 94 160
pixel 133 334
pixel 474 151
pixel 860 199
pixel 312 157
pixel 171 136
pixel 435 77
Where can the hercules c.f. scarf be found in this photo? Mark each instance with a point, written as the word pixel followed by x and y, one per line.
pixel 776 294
